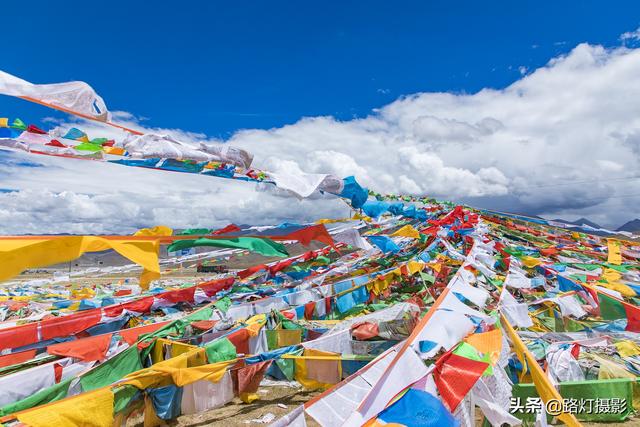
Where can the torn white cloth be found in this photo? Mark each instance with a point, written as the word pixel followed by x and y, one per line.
pixel 227 154
pixel 516 313
pixel 352 238
pixel 164 147
pixel 22 384
pixel 204 395
pixel 294 418
pixel 78 97
pixel 445 329
pixel 333 409
pixel 305 184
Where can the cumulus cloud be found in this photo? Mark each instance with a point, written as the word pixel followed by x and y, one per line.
pixel 562 140
pixel 85 197
pixel 630 36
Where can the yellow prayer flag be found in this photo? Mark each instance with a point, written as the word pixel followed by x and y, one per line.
pixel 530 262
pixel 254 328
pixel 331 221
pixel 197 358
pixel 545 389
pixel 17 255
pixel 407 231
pixel 211 372
pixel 362 217
pixel 614 254
pixel 158 230
pixel 89 409
pixel 178 348
pixel 4 122
pixel 73 307
pixel 487 343
pixel 115 151
pixel 625 290
pixel 287 337
pixel 317 374
pixel 151 419
pixel 381 283
pixel 627 348
pixel 415 266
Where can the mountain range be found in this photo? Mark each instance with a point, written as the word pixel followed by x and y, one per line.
pixel 631 226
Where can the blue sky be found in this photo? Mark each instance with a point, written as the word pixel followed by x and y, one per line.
pixel 529 108
pixel 216 67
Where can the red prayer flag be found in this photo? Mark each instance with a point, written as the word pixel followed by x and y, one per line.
pixel 289 314
pixel 18 336
pixel 251 270
pixel 364 331
pixel 85 349
pixel 56 143
pixel 317 232
pixel 16 358
pixel 35 129
pixel 178 295
pixel 454 376
pixel 280 266
pixel 250 376
pixel 57 371
pixel 308 310
pixel 214 286
pixel 130 336
pixel 633 318
pixel 228 229
pixel 327 305
pixel 309 255
pixel 142 305
pixel 240 339
pixel 69 325
pixel 203 325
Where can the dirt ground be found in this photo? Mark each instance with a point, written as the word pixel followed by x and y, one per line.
pixel 237 413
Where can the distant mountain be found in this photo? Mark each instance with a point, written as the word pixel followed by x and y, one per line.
pixel 579 221
pixel 631 226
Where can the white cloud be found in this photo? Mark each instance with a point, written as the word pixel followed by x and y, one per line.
pixel 630 36
pixel 115 199
pixel 528 147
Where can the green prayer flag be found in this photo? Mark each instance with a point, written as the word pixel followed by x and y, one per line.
pixel 177 327
pixel 47 395
pixel 618 268
pixel 112 370
pixel 194 231
pixel 287 366
pixel 223 304
pixel 589 267
pixel 87 146
pixel 220 350
pixel 204 314
pixel 427 277
pixel 610 308
pixel 122 396
pixel 266 247
pixel 19 124
pixel 272 339
pixel 573 326
pixel 470 352
pixel 323 260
